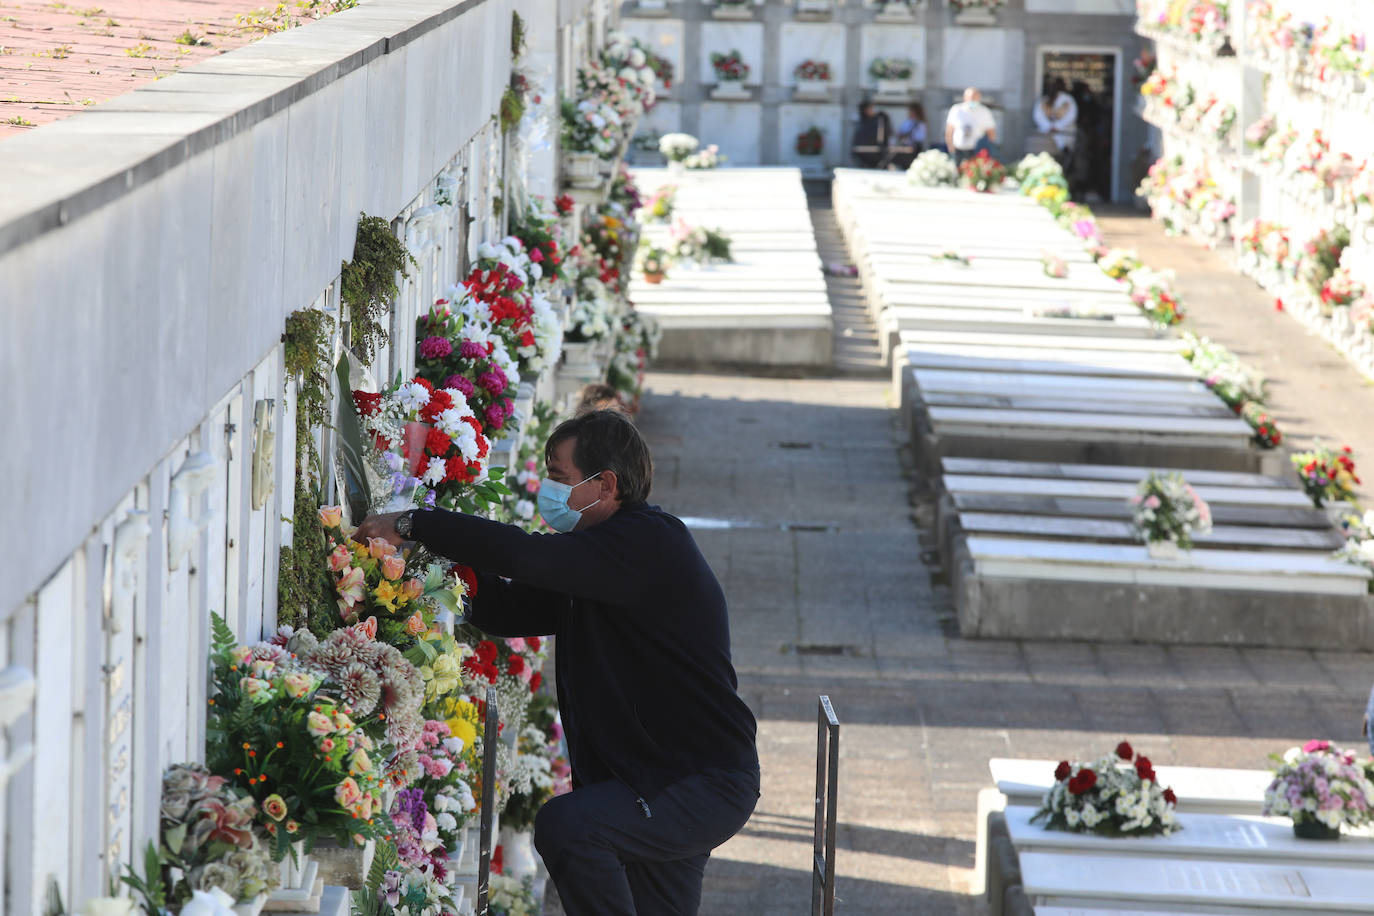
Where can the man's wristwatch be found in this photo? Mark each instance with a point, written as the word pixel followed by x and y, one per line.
pixel 405 523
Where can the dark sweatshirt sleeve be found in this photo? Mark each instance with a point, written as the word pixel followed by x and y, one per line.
pixel 610 563
pixel 510 609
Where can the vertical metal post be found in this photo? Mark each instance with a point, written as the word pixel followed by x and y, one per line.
pixel 490 735
pixel 827 784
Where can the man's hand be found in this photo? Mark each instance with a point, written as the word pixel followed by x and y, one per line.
pixel 379 526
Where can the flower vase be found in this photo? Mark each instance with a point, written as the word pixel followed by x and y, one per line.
pixel 653 279
pixel 578 353
pixel 893 88
pixel 1337 512
pixel 813 9
pixel 975 15
pixel 728 10
pixel 1162 550
pixel 300 884
pixel 1307 829
pixel 251 907
pixel 345 866
pixel 895 11
pixel 675 167
pixel 413 436
pixel 730 91
pixel 582 169
pixel 812 90
pixel 517 853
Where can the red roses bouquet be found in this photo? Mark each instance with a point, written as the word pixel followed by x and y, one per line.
pixel 982 173
pixel 1115 795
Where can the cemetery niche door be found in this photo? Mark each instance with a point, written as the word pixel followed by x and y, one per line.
pixel 1093 76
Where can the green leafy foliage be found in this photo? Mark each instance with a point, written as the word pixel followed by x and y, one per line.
pixel 512 109
pixel 369 901
pixel 369 282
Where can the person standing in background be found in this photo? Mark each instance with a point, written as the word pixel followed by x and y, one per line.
pixel 970 127
pixel 910 139
pixel 1056 119
pixel 872 135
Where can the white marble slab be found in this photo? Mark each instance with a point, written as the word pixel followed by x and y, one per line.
pixel 1096 365
pixel 1303 888
pixel 985 466
pixel 1185 391
pixel 986 58
pixel 1103 489
pixel 723 37
pixel 1203 836
pixel 1008 343
pixel 1214 790
pixel 823 42
pixel 1089 426
pixel 888 40
pixel 1198 568
pixel 1106 529
pixel 912 318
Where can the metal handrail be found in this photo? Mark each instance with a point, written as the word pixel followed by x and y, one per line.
pixel 827 784
pixel 489 738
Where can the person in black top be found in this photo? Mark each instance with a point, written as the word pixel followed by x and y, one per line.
pixel 871 136
pixel 662 747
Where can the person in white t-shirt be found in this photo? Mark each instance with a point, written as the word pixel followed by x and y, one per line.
pixel 970 127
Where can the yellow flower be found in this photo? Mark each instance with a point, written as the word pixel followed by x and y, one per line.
pixel 463 729
pixel 359 762
pixel 386 595
pixel 443 676
pixel 613 223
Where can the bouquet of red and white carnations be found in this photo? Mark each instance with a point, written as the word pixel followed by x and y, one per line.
pixel 433 442
pixel 1115 795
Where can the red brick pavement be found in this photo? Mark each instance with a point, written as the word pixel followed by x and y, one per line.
pixel 57 58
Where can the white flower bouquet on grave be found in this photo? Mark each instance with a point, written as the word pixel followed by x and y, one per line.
pixel 1223 372
pixel 708 158
pixel 590 127
pixel 890 68
pixel 1320 786
pixel 932 169
pixel 1165 508
pixel 1359 544
pixel 1118 262
pixel 677 147
pixel 1115 795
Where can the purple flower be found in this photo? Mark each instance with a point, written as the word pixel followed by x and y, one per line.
pixel 462 384
pixel 495 416
pixel 494 380
pixel 430 499
pixel 471 349
pixel 435 348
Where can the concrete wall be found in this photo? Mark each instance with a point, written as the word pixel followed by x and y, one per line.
pixel 1001 59
pixel 150 250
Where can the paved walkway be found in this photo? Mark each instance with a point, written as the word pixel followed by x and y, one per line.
pixel 822 555
pixel 1314 391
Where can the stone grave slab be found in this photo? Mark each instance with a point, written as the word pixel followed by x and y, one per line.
pixel 1200 790
pixel 1211 837
pixel 1049 589
pixel 1113 879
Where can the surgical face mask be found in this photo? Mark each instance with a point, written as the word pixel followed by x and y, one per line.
pixel 554 508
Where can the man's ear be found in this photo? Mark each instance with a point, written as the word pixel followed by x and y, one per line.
pixel 610 485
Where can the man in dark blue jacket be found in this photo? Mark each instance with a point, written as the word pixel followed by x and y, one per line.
pixel 662 747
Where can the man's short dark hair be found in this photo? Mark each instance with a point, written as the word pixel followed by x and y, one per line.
pixel 606 440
